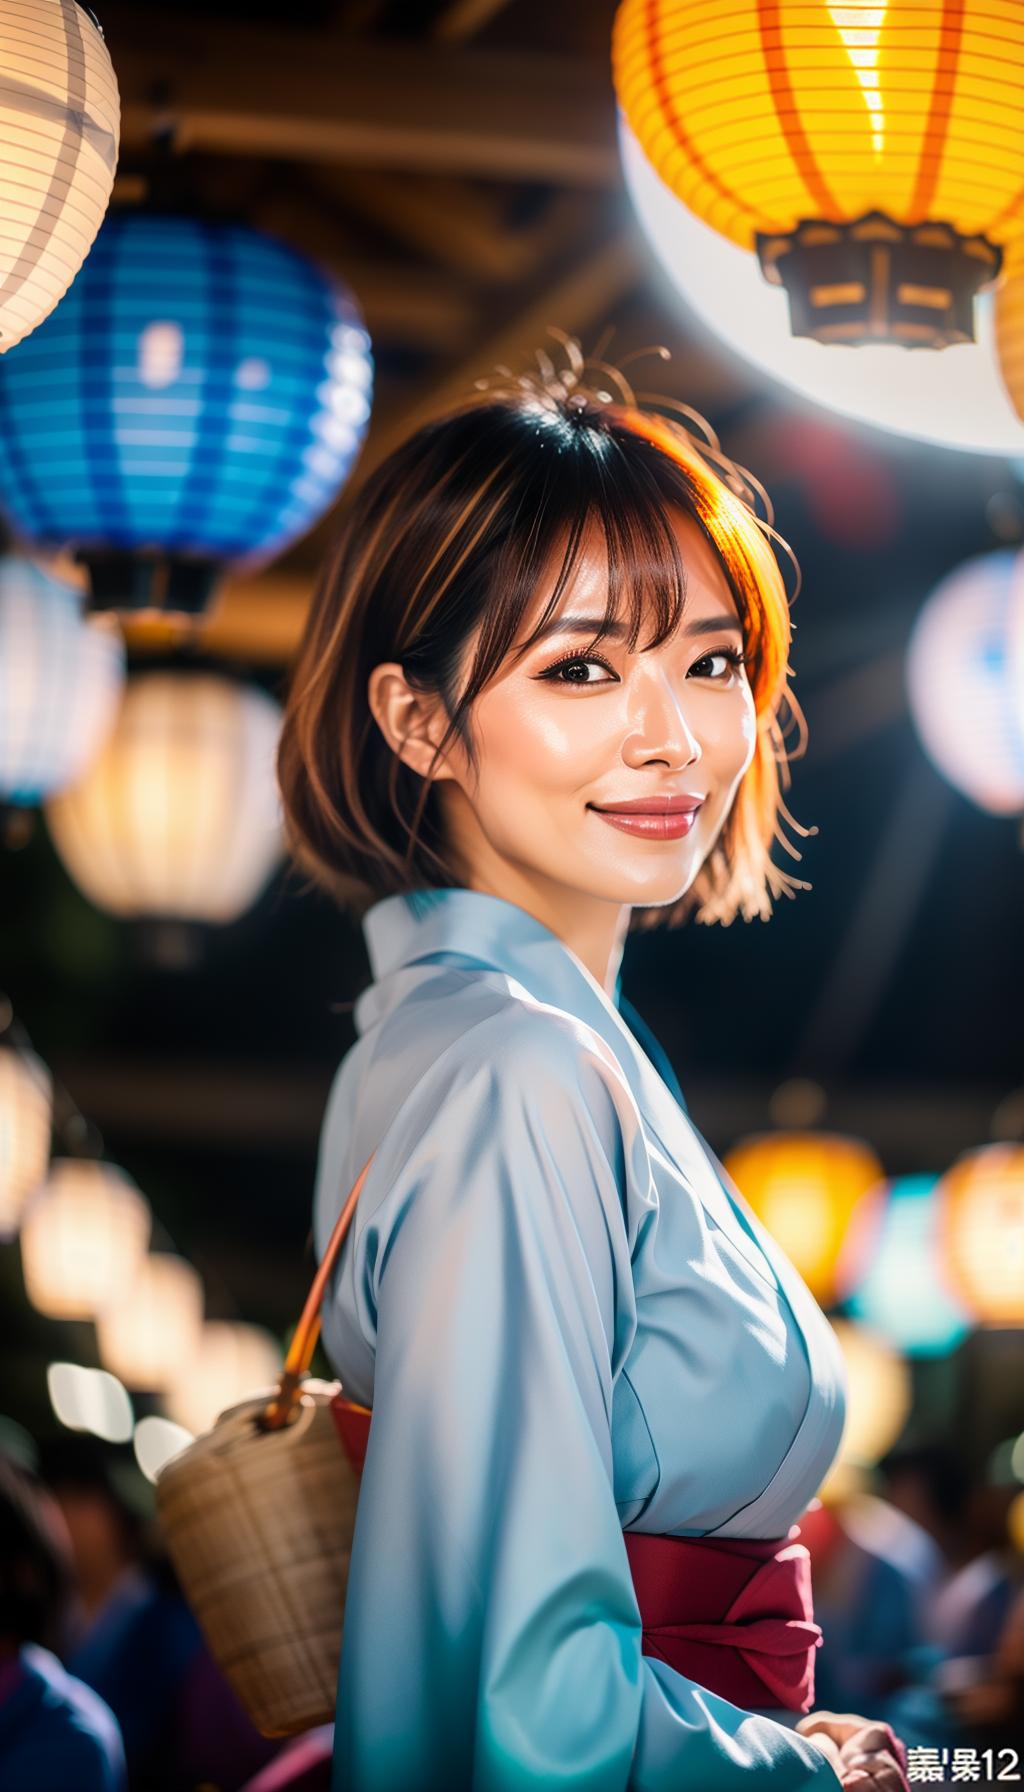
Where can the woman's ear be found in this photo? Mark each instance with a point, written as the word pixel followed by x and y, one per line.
pixel 411 723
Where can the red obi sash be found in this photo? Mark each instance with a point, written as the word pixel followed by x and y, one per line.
pixel 732 1613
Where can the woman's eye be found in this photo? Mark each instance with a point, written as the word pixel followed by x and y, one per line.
pixel 569 671
pixel 575 668
pixel 732 657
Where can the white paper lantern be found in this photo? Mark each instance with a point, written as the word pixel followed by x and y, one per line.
pixel 179 817
pixel 954 396
pixel 153 1326
pixel 878 1395
pixel 83 1236
pixel 59 138
pixel 90 1400
pixel 965 680
pixel 61 682
pixel 26 1119
pixel 231 1362
pixel 156 1442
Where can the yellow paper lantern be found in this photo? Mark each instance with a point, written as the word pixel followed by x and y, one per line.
pixel 83 1236
pixel 872 154
pixel 981 1232
pixel 804 1186
pixel 230 1363
pixel 958 401
pixel 153 1326
pixel 179 815
pixel 878 1400
pixel 1009 326
pixel 59 136
pixel 26 1109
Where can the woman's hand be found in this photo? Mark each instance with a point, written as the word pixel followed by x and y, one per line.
pixel 868 1757
pixel 868 1762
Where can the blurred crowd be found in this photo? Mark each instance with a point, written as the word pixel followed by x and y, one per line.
pixel 106 1684
pixel 919 1591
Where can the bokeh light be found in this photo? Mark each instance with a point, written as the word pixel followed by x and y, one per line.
pixel 90 1400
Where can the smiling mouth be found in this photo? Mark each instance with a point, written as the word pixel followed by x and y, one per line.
pixel 659 824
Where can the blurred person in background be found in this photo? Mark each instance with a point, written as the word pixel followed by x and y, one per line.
pixel 132 1637
pixel 967 1601
pixel 875 1569
pixel 866 1602
pixel 56 1734
pixel 969 1657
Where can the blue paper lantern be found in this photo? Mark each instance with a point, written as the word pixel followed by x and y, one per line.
pixel 197 398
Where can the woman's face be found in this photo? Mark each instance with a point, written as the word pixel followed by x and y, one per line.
pixel 566 739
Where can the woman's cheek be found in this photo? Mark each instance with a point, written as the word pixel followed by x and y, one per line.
pixel 529 729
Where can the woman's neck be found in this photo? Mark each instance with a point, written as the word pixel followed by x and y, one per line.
pixel 593 929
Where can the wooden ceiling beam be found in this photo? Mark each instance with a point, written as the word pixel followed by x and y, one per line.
pixel 502 114
pixel 462 19
pixel 411 306
pixel 455 223
pixel 255 619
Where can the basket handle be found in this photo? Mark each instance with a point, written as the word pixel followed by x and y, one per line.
pixel 303 1344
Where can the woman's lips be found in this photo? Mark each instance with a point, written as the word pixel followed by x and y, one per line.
pixel 666 825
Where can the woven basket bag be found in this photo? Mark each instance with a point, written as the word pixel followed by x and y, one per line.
pixel 258 1515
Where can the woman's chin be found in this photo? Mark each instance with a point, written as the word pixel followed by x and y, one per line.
pixel 648 886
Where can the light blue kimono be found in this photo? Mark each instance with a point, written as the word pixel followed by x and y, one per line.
pixel 565 1325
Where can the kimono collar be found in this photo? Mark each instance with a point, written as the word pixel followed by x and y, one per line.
pixel 401 929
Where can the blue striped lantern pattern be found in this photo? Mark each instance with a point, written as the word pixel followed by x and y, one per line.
pixel 197 398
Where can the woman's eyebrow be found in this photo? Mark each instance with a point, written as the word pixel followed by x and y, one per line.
pixel 572 625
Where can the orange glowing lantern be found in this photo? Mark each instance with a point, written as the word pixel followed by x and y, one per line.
pixel 981 1232
pixel 804 1186
pixel 843 143
pixel 1009 326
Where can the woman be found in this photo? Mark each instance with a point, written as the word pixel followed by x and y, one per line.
pixel 580 1348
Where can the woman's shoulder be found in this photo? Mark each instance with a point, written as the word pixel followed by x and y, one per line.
pixel 440 1020
pixel 486 1026
pixel 480 1048
pixel 462 1059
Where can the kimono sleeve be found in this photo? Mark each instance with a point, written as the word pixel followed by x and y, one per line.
pixel 492 1639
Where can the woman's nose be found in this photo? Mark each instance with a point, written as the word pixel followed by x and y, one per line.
pixel 660 728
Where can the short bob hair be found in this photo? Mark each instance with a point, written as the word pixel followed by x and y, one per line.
pixel 452 532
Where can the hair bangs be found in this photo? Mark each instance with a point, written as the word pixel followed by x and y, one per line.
pixel 584 504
